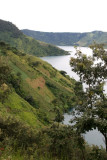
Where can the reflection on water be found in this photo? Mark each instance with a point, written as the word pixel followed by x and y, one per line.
pixel 62 63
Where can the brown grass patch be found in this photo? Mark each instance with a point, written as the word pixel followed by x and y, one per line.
pixel 35 83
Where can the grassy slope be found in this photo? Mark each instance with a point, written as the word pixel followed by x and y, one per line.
pixel 9 33
pixel 44 83
pixel 81 39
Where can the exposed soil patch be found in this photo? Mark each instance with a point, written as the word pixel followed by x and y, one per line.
pixel 35 83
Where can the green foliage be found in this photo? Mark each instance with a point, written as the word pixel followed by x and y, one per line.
pixel 15 134
pixel 31 101
pixel 63 73
pixel 35 64
pixel 59 116
pixel 26 111
pixel 20 141
pixel 42 116
pixel 4 72
pixel 63 99
pixel 92 104
pixel 61 142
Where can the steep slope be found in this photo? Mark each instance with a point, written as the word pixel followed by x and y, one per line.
pixel 33 95
pixel 70 39
pixel 9 33
pixel 31 89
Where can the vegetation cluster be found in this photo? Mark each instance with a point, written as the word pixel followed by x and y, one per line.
pixel 30 128
pixel 92 105
pixel 34 96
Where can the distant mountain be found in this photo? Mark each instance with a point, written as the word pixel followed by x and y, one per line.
pixel 70 39
pixel 9 33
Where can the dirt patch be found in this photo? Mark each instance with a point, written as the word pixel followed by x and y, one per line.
pixel 35 83
pixel 4 87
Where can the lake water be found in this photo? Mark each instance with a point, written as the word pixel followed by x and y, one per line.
pixel 62 63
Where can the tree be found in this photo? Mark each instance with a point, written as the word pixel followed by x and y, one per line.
pixel 59 117
pixel 5 71
pixel 92 106
pixel 61 142
pixel 63 73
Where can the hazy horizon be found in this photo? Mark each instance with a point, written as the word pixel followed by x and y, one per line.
pixel 63 32
pixel 56 15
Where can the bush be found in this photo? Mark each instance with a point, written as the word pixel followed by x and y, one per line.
pixel 42 116
pixel 35 64
pixel 63 73
pixel 31 101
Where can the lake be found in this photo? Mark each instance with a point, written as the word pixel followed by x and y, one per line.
pixel 62 63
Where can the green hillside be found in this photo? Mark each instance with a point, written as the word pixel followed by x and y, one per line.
pixel 68 39
pixel 33 98
pixel 35 87
pixel 10 34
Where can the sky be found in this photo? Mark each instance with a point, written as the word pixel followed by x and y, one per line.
pixel 56 15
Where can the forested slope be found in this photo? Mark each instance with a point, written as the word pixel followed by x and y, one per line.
pixel 69 38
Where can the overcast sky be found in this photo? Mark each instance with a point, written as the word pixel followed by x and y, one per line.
pixel 56 15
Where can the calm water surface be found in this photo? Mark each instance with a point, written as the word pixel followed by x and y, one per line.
pixel 62 63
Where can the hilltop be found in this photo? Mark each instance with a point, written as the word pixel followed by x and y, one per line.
pixel 10 34
pixel 68 39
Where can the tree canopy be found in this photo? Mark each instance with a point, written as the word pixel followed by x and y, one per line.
pixel 92 105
